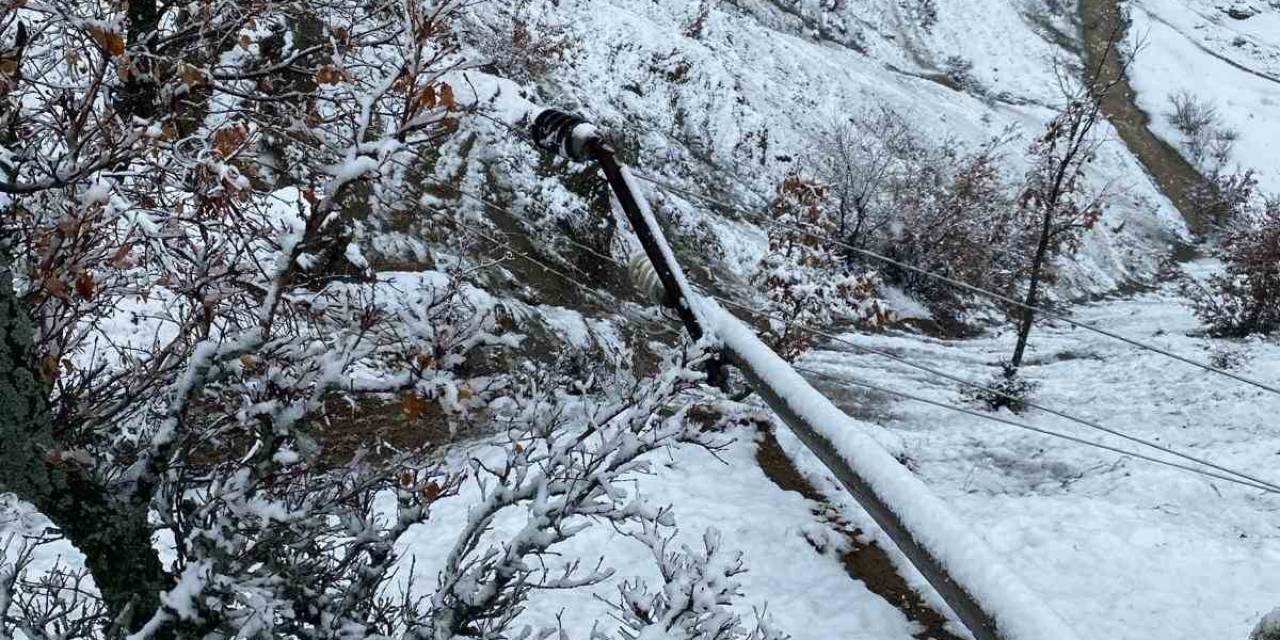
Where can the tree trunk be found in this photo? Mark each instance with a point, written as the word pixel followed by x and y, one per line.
pixel 140 92
pixel 1033 293
pixel 112 534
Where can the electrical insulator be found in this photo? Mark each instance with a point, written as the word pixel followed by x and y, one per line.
pixel 565 134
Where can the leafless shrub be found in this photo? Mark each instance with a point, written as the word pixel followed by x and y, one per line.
pixel 526 46
pixel 1223 198
pixel 959 70
pixel 1208 141
pixel 1224 194
pixel 806 281
pixel 932 205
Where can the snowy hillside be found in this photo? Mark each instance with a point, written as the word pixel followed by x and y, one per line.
pixel 730 100
pixel 1225 53
pixel 485 318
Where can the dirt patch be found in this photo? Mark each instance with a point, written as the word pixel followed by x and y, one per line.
pixel 863 561
pixel 1175 176
pixel 382 428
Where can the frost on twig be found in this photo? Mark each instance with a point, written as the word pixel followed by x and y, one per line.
pixel 563 469
pixel 695 601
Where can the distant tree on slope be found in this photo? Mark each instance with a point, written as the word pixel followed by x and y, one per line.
pixel 1244 300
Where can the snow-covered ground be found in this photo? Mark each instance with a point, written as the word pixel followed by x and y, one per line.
pixel 1119 547
pixel 1234 64
pixel 730 493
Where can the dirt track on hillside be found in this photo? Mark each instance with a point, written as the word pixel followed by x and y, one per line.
pixel 1171 172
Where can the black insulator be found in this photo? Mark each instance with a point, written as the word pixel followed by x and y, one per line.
pixel 553 131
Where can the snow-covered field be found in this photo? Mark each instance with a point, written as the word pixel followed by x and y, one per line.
pixel 1234 64
pixel 1121 548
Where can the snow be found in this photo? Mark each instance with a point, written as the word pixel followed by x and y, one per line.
pixel 1124 549
pixel 1018 612
pixel 732 109
pixel 797 585
pixel 1191 46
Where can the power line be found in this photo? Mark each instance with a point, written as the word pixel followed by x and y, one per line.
pixel 1044 312
pixel 1244 478
pixel 980 387
pixel 1047 432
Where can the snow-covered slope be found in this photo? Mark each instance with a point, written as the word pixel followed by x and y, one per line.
pixel 1121 548
pixel 1233 63
pixel 726 98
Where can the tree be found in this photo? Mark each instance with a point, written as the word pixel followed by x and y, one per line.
pixel 1054 200
pixel 803 276
pixel 934 205
pixel 186 191
pixel 143 169
pixel 860 159
pixel 1246 299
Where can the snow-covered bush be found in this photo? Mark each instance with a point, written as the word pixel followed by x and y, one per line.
pixel 695 601
pixel 1223 197
pixel 1245 299
pixel 1005 390
pixel 523 44
pixel 1207 140
pixel 185 298
pixel 930 204
pixel 803 275
pixel 1224 194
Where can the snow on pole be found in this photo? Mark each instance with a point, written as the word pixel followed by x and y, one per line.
pixel 988 598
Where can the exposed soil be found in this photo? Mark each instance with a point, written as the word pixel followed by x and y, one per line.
pixel 1175 176
pixel 863 561
pixel 382 428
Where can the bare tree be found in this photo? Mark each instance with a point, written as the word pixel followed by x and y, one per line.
pixel 803 276
pixel 1055 200
pixel 935 205
pixel 185 192
pixel 858 159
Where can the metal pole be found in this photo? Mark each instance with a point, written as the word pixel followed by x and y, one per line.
pixel 966 607
pixel 574 138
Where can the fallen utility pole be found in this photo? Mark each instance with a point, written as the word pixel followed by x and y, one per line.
pixel 987 598
pixel 574 138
